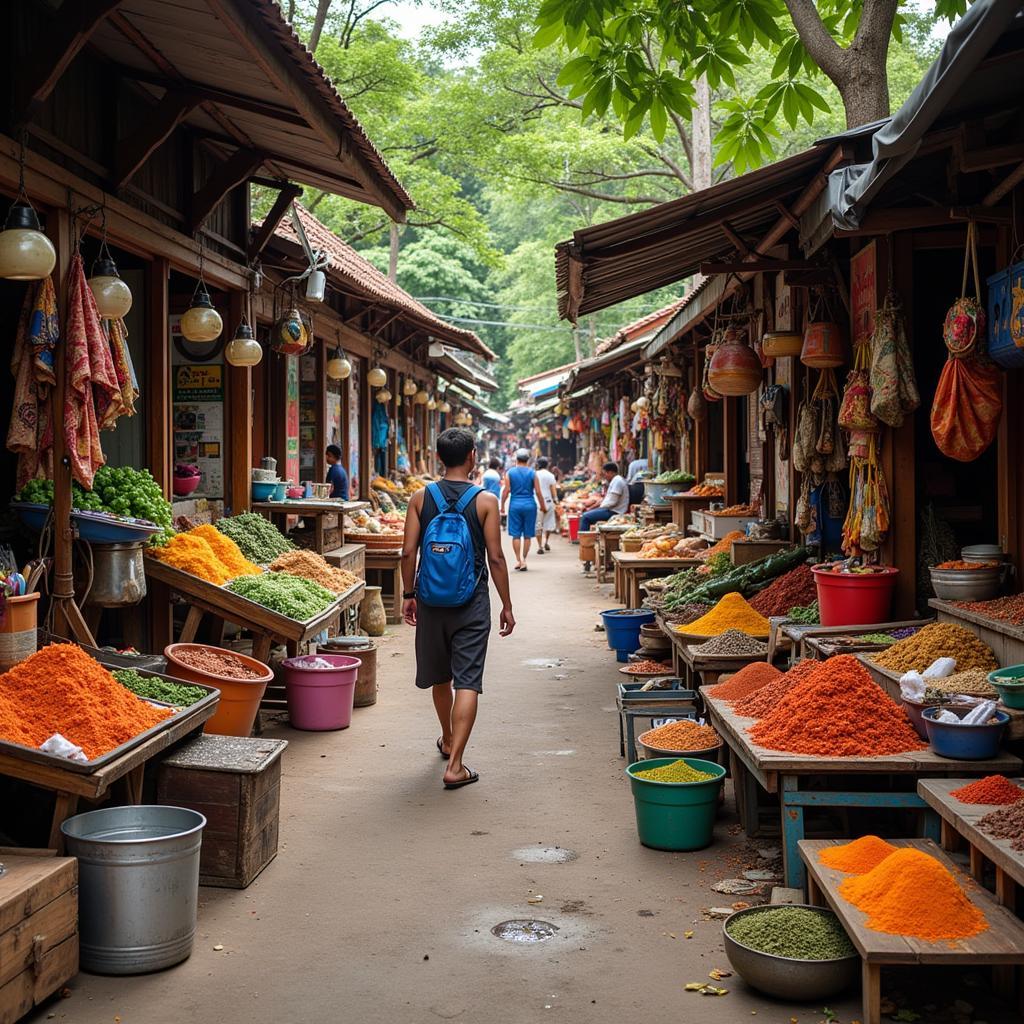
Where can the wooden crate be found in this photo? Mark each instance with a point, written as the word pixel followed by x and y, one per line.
pixel 236 783
pixel 38 930
pixel 349 556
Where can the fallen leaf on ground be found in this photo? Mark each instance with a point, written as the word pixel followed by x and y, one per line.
pixel 718 974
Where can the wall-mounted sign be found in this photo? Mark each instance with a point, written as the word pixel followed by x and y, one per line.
pixel 863 295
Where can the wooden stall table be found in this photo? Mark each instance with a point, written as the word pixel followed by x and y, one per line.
pixel 316 509
pixel 785 773
pixel 388 564
pixel 960 821
pixel 631 570
pixel 798 632
pixel 349 556
pixel 70 786
pixel 683 505
pixel 703 669
pixel 608 538
pixel 1001 945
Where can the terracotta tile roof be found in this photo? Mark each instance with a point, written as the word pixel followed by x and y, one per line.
pixel 363 278
pixel 641 326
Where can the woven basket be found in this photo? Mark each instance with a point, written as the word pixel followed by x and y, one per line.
pixel 376 541
pixel 631 544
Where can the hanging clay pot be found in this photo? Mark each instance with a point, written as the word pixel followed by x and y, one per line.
pixel 824 345
pixel 697 406
pixel 735 368
pixel 289 335
pixel 780 344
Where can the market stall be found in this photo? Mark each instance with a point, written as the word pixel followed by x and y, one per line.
pixel 320 511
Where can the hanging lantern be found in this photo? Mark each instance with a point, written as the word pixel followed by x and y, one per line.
pixel 431 404
pixel 735 368
pixel 26 254
pixel 421 397
pixel 243 349
pixel 201 322
pixel 409 387
pixel 113 297
pixel 377 377
pixel 383 396
pixel 445 407
pixel 338 367
pixel 642 402
pixel 289 335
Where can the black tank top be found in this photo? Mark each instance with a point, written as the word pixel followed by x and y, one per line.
pixel 453 490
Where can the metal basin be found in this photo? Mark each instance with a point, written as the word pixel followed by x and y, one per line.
pixel 784 977
pixel 966 584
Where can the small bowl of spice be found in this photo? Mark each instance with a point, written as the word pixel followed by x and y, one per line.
pixel 792 952
pixel 1009 684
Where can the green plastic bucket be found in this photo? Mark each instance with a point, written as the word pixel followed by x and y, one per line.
pixel 675 815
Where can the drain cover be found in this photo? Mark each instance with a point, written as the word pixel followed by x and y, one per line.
pixel 544 855
pixel 524 931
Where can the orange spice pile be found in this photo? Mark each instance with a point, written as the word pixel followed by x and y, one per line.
pixel 910 893
pixel 748 680
pixel 992 789
pixel 859 857
pixel 763 699
pixel 60 689
pixel 685 735
pixel 837 711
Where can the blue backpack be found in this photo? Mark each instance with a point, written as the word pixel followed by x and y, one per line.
pixel 447 573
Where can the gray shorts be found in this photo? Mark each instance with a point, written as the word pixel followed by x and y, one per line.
pixel 451 643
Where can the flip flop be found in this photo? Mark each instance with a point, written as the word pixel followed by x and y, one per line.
pixel 471 778
pixel 524 569
pixel 440 748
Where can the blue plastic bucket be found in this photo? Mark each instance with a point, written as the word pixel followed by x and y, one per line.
pixel 964 742
pixel 622 629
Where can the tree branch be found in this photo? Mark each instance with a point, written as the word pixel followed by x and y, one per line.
pixel 817 40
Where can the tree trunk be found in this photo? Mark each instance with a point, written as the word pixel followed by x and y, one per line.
pixel 393 254
pixel 322 7
pixel 576 342
pixel 864 87
pixel 701 136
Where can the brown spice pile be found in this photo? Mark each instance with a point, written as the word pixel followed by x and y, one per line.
pixel 938 640
pixel 973 683
pixel 219 663
pixel 1006 823
pixel 311 566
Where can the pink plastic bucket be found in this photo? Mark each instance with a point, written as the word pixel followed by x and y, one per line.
pixel 321 699
pixel 855 599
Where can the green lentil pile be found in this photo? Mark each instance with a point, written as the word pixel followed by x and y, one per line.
pixel 793 932
pixel 294 596
pixel 179 694
pixel 260 541
pixel 677 771
pixel 807 614
pixel 877 638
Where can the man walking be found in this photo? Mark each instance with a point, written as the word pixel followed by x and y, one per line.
pixel 615 500
pixel 549 495
pixel 452 530
pixel 522 489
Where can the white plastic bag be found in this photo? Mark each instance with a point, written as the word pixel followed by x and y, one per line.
pixel 940 668
pixel 979 715
pixel 912 686
pixel 56 744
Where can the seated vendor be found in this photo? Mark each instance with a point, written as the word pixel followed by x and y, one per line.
pixel 615 500
pixel 336 475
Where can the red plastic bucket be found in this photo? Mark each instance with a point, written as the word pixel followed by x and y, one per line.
pixel 574 528
pixel 320 699
pixel 855 599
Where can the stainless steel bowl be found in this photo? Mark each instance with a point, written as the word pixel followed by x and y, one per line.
pixel 804 980
pixel 966 584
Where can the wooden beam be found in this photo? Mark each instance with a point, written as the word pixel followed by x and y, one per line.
pixel 261 235
pixel 755 267
pixel 783 209
pixel 240 407
pixel 135 150
pixel 730 232
pixel 238 168
pixel 1014 178
pixel 883 222
pixel 60 44
pixel 808 278
pixel 987 158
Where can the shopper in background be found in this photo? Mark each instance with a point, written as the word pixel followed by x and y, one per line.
pixel 491 479
pixel 615 501
pixel 546 520
pixel 336 475
pixel 522 491
pixel 636 467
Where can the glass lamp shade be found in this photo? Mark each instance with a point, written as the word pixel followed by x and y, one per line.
pixel 113 297
pixel 431 404
pixel 243 349
pixel 445 407
pixel 289 335
pixel 377 377
pixel 26 254
pixel 338 367
pixel 421 397
pixel 409 388
pixel 201 322
pixel 383 396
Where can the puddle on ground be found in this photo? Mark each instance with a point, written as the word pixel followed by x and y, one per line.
pixel 524 931
pixel 540 664
pixel 544 855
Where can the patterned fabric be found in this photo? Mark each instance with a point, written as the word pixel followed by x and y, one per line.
pixel 968 404
pixel 91 379
pixel 964 325
pixel 893 381
pixel 31 432
pixel 123 401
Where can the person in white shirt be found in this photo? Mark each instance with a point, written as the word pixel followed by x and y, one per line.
pixel 636 467
pixel 615 500
pixel 546 520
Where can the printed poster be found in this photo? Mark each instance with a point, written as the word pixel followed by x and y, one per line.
pixel 291 419
pixel 198 396
pixel 354 400
pixel 863 296
pixel 783 376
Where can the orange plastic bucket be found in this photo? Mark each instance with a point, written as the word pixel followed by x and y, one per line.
pixel 239 698
pixel 19 614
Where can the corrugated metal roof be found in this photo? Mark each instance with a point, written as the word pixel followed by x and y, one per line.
pixel 621 259
pixel 606 365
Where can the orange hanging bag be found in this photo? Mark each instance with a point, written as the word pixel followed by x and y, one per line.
pixel 969 396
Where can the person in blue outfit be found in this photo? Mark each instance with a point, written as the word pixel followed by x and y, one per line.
pixel 522 490
pixel 491 480
pixel 336 475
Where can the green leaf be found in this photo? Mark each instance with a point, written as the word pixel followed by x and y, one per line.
pixel 812 96
pixel 790 109
pixel 548 35
pixel 659 120
pixel 577 70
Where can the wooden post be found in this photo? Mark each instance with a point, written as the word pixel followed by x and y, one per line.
pixel 239 433
pixel 158 373
pixel 365 400
pixel 320 429
pixel 729 449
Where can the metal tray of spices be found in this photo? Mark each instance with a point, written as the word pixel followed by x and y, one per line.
pixel 182 723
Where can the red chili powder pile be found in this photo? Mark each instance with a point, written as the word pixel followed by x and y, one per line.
pixel 796 587
pixel 993 789
pixel 911 893
pixel 762 700
pixel 61 689
pixel 859 857
pixel 837 711
pixel 749 678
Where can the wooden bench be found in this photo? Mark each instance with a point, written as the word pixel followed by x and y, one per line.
pixel 631 570
pixel 1001 945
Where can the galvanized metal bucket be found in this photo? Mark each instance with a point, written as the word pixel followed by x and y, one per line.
pixel 138 870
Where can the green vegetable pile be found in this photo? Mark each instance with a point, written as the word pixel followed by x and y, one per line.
pixel 122 491
pixel 674 476
pixel 294 596
pixel 793 932
pixel 719 564
pixel 691 585
pixel 178 694
pixel 261 542
pixel 877 638
pixel 808 614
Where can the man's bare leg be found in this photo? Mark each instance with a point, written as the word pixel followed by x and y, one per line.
pixel 443 698
pixel 517 548
pixel 463 717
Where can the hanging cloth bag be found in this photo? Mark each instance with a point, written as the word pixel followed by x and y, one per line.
pixel 893 382
pixel 968 398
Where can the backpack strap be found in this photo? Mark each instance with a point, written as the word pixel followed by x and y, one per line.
pixel 468 496
pixel 440 501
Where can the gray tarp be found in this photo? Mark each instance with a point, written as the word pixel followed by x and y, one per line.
pixel 851 189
